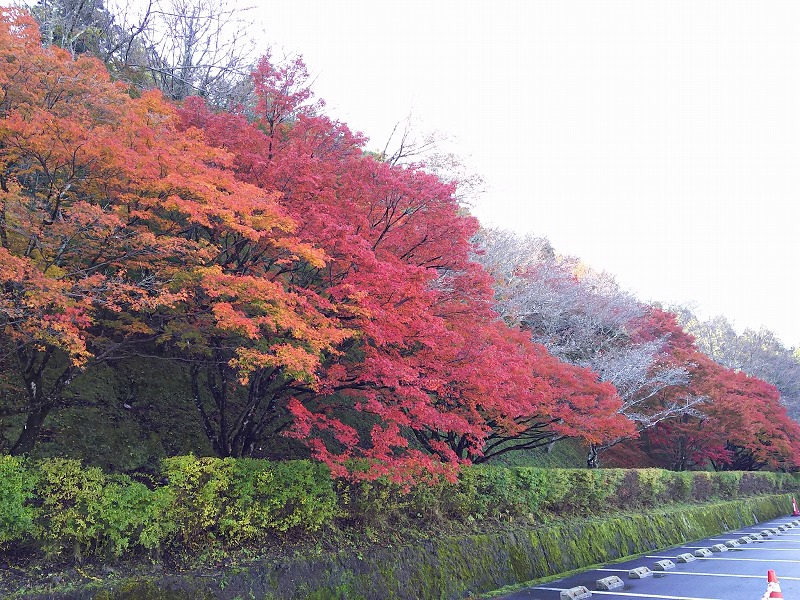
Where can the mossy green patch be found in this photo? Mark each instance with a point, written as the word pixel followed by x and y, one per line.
pixel 455 567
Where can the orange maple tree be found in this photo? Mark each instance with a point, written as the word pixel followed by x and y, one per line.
pixel 112 222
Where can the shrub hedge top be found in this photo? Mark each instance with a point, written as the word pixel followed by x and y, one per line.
pixel 57 506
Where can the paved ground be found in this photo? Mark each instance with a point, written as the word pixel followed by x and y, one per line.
pixel 738 574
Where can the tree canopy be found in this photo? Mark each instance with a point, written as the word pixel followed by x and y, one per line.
pixel 309 289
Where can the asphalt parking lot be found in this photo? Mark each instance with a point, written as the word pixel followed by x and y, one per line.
pixel 738 573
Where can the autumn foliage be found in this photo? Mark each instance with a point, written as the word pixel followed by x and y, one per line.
pixel 736 422
pixel 315 291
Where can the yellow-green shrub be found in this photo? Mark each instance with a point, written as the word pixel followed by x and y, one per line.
pixel 210 503
pixel 16 485
pixel 67 515
pixel 679 486
pixel 241 501
pixel 490 492
pixel 728 484
pixel 85 511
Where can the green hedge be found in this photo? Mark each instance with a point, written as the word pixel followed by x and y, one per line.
pixel 486 493
pixel 60 508
pixel 16 487
pixel 244 501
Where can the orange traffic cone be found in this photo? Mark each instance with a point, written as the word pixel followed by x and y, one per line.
pixel 795 512
pixel 773 587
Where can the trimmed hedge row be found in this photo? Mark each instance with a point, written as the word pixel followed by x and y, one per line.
pixel 535 494
pixel 57 506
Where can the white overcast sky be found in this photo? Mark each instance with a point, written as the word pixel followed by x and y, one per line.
pixel 656 140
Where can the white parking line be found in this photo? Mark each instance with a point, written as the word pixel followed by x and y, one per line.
pixel 632 595
pixel 705 574
pixel 629 594
pixel 775 539
pixel 771 549
pixel 770 560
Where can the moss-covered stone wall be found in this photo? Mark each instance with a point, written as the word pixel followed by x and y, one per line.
pixel 453 567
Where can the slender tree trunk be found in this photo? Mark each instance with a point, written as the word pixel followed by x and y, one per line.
pixel 30 432
pixel 208 425
pixel 32 365
pixel 3 232
pixel 592 459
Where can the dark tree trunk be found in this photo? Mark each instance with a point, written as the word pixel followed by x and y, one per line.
pixel 30 432
pixel 592 458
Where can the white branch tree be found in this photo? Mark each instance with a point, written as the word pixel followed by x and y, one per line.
pixel 201 48
pixel 757 353
pixel 183 47
pixel 584 318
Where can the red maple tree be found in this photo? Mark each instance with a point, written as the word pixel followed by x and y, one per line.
pixel 431 366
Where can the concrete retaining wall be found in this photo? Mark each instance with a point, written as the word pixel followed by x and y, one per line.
pixel 454 567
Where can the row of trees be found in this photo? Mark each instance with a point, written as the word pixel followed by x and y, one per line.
pixel 696 391
pixel 317 291
pixel 757 353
